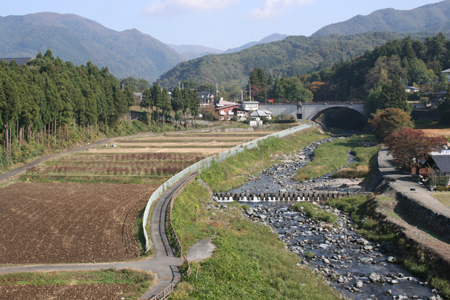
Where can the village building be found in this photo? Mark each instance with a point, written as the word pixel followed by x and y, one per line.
pixel 226 109
pixel 206 98
pixel 250 105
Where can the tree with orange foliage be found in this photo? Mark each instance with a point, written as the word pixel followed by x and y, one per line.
pixel 385 122
pixel 409 146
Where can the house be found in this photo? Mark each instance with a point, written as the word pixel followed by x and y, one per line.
pixel 241 114
pixel 250 105
pixel 206 98
pixel 226 110
pixel 440 163
pixel 447 72
pixel 260 114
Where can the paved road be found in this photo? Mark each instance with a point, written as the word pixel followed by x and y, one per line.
pixel 164 263
pixel 405 184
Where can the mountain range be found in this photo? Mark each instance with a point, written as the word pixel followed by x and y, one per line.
pixel 428 18
pixel 76 39
pixel 133 53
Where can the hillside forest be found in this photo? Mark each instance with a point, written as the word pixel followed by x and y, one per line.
pixel 378 78
pixel 49 103
pixel 52 103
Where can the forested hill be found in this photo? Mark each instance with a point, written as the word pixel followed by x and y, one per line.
pixel 292 56
pixel 378 76
pixel 76 39
pixel 428 18
pixel 50 101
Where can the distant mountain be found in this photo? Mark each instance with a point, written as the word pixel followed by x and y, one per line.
pixel 76 39
pixel 293 56
pixel 269 39
pixel 193 51
pixel 428 18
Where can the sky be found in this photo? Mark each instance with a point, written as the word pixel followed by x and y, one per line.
pixel 219 24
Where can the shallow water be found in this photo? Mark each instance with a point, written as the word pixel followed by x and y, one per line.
pixel 355 266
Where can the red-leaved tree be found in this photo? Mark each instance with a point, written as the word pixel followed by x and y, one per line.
pixel 408 146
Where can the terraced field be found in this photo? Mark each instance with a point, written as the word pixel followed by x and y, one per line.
pixel 84 207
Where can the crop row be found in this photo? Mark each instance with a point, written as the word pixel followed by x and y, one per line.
pixel 135 171
pixel 112 164
pixel 137 157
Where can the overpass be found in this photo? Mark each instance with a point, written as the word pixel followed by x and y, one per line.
pixel 310 110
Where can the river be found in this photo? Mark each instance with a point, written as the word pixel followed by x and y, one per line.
pixel 359 268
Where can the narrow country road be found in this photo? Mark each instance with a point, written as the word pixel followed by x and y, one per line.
pixel 164 263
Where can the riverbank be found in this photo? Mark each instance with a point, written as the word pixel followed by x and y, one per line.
pixel 422 222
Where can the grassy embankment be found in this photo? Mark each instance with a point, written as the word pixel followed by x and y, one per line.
pixel 443 197
pixel 249 261
pixel 333 156
pixel 234 171
pixel 412 256
pixel 329 157
pixel 137 282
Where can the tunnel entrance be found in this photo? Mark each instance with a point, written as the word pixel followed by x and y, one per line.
pixel 342 119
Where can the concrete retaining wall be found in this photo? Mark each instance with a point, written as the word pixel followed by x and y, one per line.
pixel 205 163
pixel 415 205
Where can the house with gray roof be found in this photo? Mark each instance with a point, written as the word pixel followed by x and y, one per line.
pixel 441 164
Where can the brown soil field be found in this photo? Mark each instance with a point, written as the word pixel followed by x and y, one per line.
pixel 70 223
pixel 205 144
pixel 435 132
pixel 188 139
pixel 66 292
pixel 201 151
pixel 217 134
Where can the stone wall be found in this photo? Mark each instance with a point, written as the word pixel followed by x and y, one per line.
pixel 415 205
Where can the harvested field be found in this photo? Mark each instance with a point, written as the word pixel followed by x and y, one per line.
pixel 69 223
pixel 144 168
pixel 184 144
pixel 203 151
pixel 436 132
pixel 105 284
pixel 66 292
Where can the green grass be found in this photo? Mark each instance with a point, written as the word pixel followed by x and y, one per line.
pixel 314 212
pixel 332 156
pixel 250 262
pixel 443 197
pixel 138 282
pixel 411 256
pixel 115 179
pixel 234 171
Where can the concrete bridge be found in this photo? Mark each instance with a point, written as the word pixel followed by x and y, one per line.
pixel 283 196
pixel 310 110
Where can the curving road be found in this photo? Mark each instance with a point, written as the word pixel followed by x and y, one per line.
pixel 164 263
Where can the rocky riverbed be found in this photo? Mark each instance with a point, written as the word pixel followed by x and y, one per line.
pixel 348 261
pixel 279 177
pixel 354 265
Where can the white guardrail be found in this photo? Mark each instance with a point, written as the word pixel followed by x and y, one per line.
pixel 205 163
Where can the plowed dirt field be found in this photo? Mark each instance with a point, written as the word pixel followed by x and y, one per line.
pixel 66 292
pixel 69 223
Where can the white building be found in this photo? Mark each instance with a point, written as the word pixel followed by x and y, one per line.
pixel 250 105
